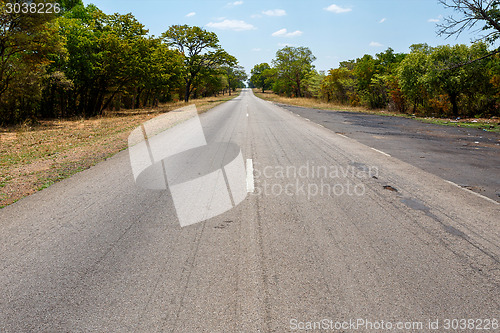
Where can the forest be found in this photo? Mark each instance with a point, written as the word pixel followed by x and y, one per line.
pixel 80 62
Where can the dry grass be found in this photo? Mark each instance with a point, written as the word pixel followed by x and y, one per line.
pixel 34 157
pixel 307 102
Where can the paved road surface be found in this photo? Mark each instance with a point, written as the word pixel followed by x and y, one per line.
pixel 466 156
pixel 96 253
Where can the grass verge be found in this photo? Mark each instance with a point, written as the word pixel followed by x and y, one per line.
pixel 34 157
pixel 490 125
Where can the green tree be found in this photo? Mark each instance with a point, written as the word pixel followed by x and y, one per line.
pixel 262 76
pixel 106 53
pixel 292 65
pixel 335 87
pixel 312 83
pixel 201 52
pixel 27 42
pixel 453 80
pixel 235 76
pixel 155 71
pixel 411 74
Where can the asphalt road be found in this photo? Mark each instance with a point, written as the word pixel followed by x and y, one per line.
pixel 373 237
pixel 468 157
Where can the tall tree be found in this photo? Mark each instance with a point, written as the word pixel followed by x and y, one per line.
pixel 201 51
pixel 411 74
pixel 105 55
pixel 457 81
pixel 293 64
pixel 27 41
pixel 235 75
pixel 262 76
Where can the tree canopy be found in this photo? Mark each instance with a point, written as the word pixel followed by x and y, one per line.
pixel 201 51
pixel 262 76
pixel 292 65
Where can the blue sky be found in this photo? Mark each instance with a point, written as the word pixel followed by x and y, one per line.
pixel 335 30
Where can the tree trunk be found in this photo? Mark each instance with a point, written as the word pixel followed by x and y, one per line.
pixel 186 95
pixel 137 103
pixel 453 100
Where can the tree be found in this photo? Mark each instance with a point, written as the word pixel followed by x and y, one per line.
pixel 235 75
pixel 201 51
pixel 155 70
pixel 312 83
pixel 105 52
pixel 335 87
pixel 262 76
pixel 293 64
pixel 472 11
pixel 27 40
pixel 456 81
pixel 410 74
pixel 370 85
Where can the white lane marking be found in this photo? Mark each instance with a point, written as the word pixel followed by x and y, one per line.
pixel 307 119
pixel 250 180
pixel 379 151
pixel 470 191
pixel 342 135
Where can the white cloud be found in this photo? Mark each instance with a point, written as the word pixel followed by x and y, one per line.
pixel 256 49
pixel 190 14
pixel 382 20
pixel 274 12
pixel 435 20
pixel 284 33
pixel 235 3
pixel 236 25
pixel 337 9
pixel 375 44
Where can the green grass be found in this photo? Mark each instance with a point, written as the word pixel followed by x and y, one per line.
pixel 5 181
pixel 490 127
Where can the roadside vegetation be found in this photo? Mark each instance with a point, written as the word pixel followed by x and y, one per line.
pixel 459 81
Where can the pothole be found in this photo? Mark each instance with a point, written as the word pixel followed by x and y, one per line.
pixel 390 188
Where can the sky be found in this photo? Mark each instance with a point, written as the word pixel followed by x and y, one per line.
pixel 334 30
